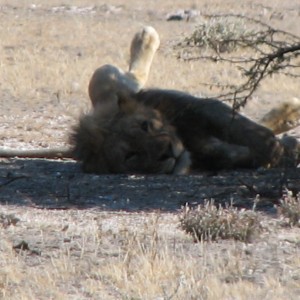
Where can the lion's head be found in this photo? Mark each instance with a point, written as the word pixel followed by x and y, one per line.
pixel 131 138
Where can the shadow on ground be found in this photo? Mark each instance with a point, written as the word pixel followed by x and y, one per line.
pixel 54 184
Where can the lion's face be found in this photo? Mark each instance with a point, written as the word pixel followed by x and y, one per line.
pixel 133 139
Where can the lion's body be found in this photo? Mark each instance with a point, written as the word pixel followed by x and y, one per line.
pixel 216 136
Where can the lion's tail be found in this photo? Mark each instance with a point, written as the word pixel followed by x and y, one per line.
pixel 284 117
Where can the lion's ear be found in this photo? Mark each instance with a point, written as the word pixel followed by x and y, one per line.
pixel 126 103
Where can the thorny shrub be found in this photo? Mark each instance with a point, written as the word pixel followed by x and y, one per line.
pixel 220 34
pixel 209 222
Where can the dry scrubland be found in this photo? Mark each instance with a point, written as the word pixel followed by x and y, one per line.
pixel 48 52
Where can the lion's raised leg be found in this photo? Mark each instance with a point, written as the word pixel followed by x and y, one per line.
pixel 142 50
pixel 108 80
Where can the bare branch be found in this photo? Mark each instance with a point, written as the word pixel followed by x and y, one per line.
pixel 270 51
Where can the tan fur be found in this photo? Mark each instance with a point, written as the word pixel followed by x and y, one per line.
pixel 129 139
pixel 284 117
pixel 107 81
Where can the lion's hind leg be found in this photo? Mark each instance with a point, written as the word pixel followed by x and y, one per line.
pixel 143 48
pixel 108 80
pixel 105 83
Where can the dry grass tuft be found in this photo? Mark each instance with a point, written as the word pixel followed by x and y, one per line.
pixel 210 222
pixel 8 219
pixel 289 209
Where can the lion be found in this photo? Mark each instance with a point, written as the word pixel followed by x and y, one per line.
pixel 131 138
pixel 216 136
pixel 199 135
pixel 206 130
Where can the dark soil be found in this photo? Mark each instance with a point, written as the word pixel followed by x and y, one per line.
pixel 60 184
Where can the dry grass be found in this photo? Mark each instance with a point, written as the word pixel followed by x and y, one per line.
pixel 209 222
pixel 289 209
pixel 96 255
pixel 47 57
